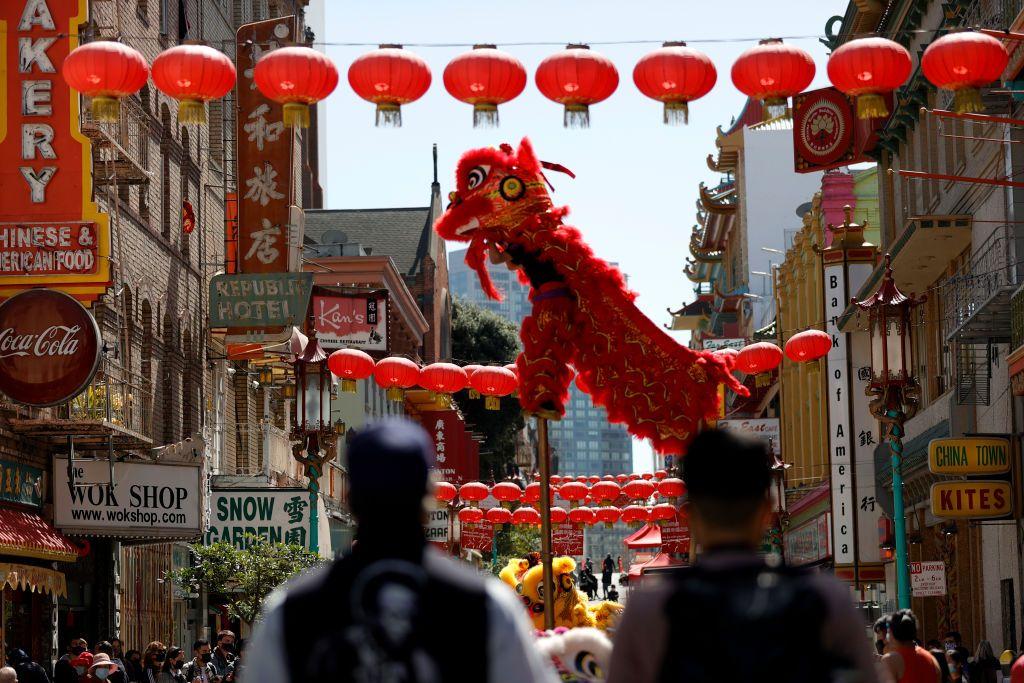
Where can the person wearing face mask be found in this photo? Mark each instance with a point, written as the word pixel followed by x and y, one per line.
pixel 63 670
pixel 153 661
pixel 101 668
pixel 133 666
pixel 116 675
pixel 171 671
pixel 200 668
pixel 224 653
pixel 81 664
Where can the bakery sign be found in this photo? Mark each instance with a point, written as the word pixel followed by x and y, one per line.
pixel 51 231
pixel 49 347
pixel 358 321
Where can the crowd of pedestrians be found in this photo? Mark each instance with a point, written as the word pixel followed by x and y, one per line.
pixel 109 662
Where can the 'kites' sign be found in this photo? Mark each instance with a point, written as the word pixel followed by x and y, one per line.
pixel 51 231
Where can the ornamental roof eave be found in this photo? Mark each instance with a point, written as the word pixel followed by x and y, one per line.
pixel 720 200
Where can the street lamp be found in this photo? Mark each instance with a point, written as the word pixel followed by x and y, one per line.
pixel 313 432
pixel 894 395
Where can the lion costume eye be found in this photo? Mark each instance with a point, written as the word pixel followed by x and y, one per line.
pixel 477 176
pixel 587 664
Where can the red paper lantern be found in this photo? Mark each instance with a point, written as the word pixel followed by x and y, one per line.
pixel 350 365
pixel 193 75
pixel 473 492
pixel 577 77
pixel 672 489
pixel 531 494
pixel 471 516
pixel 105 71
pixel 295 77
pixel 808 345
pixel 757 358
pixel 574 492
pixel 443 379
pixel 485 77
pixel 608 515
pixel 559 515
pixel 660 474
pixel 675 75
pixel 772 72
pixel 634 515
pixel 396 374
pixel 663 513
pixel 608 477
pixel 638 489
pixel 622 478
pixel 493 383
pixel 963 62
pixel 445 492
pixel 506 493
pixel 593 479
pixel 606 492
pixel 633 477
pixel 389 77
pixel 554 479
pixel 647 476
pixel 499 516
pixel 867 68
pixel 470 369
pixel 582 515
pixel 526 516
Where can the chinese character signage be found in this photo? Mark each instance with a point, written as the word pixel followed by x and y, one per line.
pixel 20 484
pixel 567 539
pixel 675 537
pixel 51 231
pixel 357 321
pixel 144 500
pixel 277 515
pixel 265 153
pixel 260 300
pixel 827 134
pixel 454 455
pixel 478 536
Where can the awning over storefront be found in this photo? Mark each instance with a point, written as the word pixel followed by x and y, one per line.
pixel 660 560
pixel 33 579
pixel 648 536
pixel 26 534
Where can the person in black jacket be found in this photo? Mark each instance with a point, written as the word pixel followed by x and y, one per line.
pixel 27 670
pixel 63 670
pixel 393 609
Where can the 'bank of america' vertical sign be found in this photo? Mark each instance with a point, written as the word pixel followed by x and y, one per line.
pixel 838 401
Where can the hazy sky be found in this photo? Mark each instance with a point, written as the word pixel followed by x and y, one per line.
pixel 636 186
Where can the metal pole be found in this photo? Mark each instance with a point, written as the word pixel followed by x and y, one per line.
pixel 544 464
pixel 895 437
pixel 313 477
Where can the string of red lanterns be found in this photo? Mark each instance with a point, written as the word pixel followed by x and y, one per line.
pixel 577 77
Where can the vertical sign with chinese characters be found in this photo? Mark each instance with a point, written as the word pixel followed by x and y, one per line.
pixel 51 231
pixel 864 437
pixel 453 453
pixel 265 153
pixel 838 402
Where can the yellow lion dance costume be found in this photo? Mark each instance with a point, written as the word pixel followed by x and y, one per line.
pixel 571 605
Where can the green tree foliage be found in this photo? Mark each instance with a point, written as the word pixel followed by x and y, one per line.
pixel 481 336
pixel 515 541
pixel 244 577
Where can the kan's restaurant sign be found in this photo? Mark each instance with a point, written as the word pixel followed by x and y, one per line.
pixel 352 321
pixel 51 232
pixel 49 347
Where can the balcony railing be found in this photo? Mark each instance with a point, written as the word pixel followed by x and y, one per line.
pixel 979 293
pixel 120 149
pixel 115 396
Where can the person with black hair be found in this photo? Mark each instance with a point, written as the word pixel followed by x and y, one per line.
pixel 737 615
pixel 28 671
pixel 880 628
pixel 940 658
pixel 171 670
pixel 393 609
pixel 200 668
pixel 905 660
pixel 959 661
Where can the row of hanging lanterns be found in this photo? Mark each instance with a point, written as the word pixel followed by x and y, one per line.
pixel 576 492
pixel 577 77
pixel 395 374
pixel 803 347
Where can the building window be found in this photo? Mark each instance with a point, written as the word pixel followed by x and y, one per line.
pixel 147 342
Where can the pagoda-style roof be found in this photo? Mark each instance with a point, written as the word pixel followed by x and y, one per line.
pixel 768 332
pixel 692 316
pixel 702 253
pixel 730 141
pixel 720 200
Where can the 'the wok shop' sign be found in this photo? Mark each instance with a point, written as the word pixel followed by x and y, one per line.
pixel 144 500
pixel 352 321
pixel 49 347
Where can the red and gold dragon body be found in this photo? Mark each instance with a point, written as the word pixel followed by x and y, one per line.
pixel 583 314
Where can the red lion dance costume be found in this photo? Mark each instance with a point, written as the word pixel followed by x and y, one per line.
pixel 583 314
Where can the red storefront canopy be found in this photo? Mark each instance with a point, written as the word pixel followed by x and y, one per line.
pixel 648 536
pixel 26 534
pixel 659 560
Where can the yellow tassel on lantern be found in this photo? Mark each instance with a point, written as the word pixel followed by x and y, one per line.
pixel 389 115
pixel 676 113
pixel 774 107
pixel 473 393
pixel 106 109
pixel 395 394
pixel 967 101
pixel 348 386
pixel 191 113
pixel 296 115
pixel 871 106
pixel 492 403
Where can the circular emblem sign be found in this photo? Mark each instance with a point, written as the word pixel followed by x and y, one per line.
pixel 823 127
pixel 49 347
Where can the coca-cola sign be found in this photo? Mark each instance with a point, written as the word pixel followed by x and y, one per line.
pixel 49 347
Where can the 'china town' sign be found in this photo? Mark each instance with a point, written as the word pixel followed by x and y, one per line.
pixel 51 232
pixel 49 347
